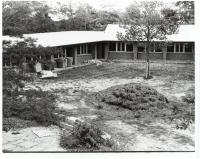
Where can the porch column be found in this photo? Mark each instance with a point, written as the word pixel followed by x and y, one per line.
pixel 135 50
pixel 125 46
pixel 58 55
pixel 164 51
pixel 95 51
pixel 174 47
pixel 106 50
pixel 183 47
pixel 80 48
pixel 86 48
pixel 116 46
pixel 75 55
pixel 65 52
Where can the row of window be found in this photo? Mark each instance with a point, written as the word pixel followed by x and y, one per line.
pixel 155 47
pixel 84 49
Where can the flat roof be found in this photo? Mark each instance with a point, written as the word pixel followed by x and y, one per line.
pixel 185 33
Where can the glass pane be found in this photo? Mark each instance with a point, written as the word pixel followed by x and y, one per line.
pixel 112 46
pixel 129 47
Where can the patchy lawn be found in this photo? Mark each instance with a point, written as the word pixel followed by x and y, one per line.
pixel 75 90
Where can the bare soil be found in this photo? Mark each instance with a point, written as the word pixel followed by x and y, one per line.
pixel 75 87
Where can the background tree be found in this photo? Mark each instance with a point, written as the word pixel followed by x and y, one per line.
pixel 145 22
pixel 186 11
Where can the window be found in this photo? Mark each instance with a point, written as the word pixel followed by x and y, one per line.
pixel 112 46
pixel 78 49
pixel 89 48
pixel 141 47
pixel 170 47
pixel 129 47
pixel 151 49
pixel 158 47
pixel 188 47
pixel 178 47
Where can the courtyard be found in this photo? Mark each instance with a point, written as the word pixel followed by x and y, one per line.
pixel 75 90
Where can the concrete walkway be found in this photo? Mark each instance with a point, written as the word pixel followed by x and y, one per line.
pixel 33 139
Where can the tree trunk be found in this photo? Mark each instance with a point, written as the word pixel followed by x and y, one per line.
pixel 147 74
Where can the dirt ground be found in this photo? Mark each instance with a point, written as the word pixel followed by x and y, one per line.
pixel 75 86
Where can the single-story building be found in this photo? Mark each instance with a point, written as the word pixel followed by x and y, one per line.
pixel 85 45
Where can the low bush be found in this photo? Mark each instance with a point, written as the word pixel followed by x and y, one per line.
pixel 85 137
pixel 133 97
pixel 145 102
pixel 33 105
pixel 189 98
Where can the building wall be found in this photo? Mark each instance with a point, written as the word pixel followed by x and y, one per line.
pixel 83 58
pixel 152 56
pixel 180 56
pixel 120 55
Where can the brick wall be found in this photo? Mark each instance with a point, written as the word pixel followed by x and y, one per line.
pixel 180 56
pixel 120 55
pixel 83 58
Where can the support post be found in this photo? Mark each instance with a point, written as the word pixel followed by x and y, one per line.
pixel 164 51
pixel 95 51
pixel 80 48
pixel 75 55
pixel 183 47
pixel 106 50
pixel 135 50
pixel 86 48
pixel 65 52
pixel 116 46
pixel 125 46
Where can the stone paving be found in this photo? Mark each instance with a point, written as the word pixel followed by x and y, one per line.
pixel 32 139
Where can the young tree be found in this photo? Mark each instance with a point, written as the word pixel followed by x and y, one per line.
pixel 145 22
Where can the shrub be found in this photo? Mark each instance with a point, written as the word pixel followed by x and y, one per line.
pixel 13 80
pixel 189 98
pixel 133 97
pixel 33 105
pixel 84 136
pixel 146 102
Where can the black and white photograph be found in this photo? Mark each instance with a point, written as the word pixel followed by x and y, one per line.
pixel 87 76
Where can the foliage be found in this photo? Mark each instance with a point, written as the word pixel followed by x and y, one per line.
pixel 189 98
pixel 146 103
pixel 144 22
pixel 133 97
pixel 84 136
pixel 16 123
pixel 26 48
pixel 12 80
pixel 33 17
pixel 185 11
pixel 31 105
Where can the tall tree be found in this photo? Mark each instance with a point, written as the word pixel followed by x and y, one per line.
pixel 145 22
pixel 186 11
pixel 15 17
